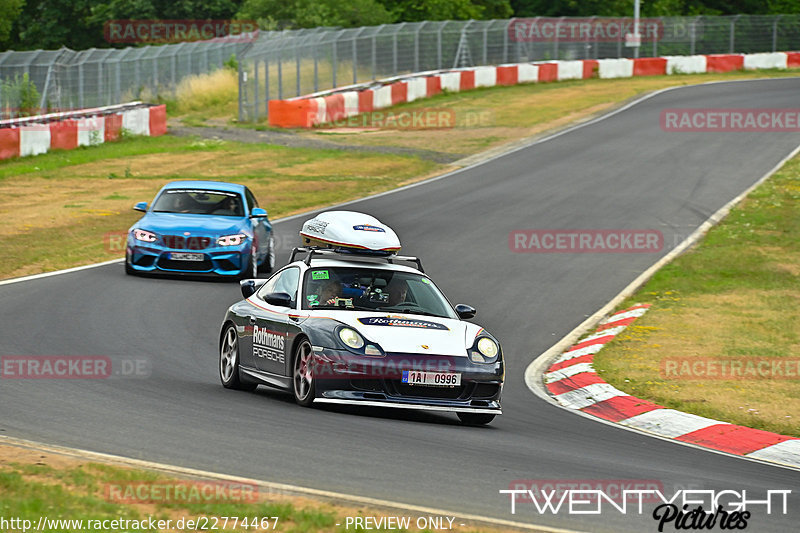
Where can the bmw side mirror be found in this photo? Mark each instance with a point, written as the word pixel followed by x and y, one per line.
pixel 258 212
pixel 140 206
pixel 281 299
pixel 465 311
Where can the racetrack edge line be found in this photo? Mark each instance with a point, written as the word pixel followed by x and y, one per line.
pixel 278 488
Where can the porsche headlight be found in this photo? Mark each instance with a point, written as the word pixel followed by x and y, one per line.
pixel 486 352
pixel 351 338
pixel 144 236
pixel 231 240
pixel 488 348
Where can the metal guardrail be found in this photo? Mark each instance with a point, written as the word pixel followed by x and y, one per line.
pixel 281 65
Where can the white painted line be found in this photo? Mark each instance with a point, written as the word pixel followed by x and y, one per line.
pixel 276 488
pixel 786 452
pixel 669 422
pixel 589 395
pixel 566 356
pixel 568 372
pixel 57 272
pixel 600 334
pixel 636 313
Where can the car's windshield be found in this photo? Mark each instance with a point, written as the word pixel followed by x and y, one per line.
pixel 199 202
pixel 368 289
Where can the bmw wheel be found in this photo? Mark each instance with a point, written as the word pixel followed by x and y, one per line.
pixel 475 419
pixel 303 374
pixel 269 261
pixel 250 270
pixel 128 259
pixel 229 362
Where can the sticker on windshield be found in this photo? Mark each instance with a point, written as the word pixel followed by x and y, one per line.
pixel 401 323
pixel 320 274
pixel 425 280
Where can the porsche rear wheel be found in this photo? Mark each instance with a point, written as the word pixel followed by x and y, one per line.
pixel 303 374
pixel 475 419
pixel 229 362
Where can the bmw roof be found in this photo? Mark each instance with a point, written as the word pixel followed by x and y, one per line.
pixel 200 184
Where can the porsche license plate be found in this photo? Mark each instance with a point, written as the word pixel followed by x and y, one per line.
pixel 185 256
pixel 435 379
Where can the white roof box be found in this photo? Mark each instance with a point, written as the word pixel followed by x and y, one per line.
pixel 348 229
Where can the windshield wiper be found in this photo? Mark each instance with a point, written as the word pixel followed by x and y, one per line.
pixel 410 312
pixel 340 307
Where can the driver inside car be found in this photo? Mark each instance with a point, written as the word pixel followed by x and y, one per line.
pixel 397 289
pixel 331 290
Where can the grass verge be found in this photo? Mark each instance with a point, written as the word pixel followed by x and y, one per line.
pixel 36 484
pixel 64 209
pixel 722 339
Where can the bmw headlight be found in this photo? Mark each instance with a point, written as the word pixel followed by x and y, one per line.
pixel 485 350
pixel 144 236
pixel 232 240
pixel 351 338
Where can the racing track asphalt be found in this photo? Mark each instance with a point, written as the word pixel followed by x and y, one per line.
pixel 620 172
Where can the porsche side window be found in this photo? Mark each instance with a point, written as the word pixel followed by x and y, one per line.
pixel 284 281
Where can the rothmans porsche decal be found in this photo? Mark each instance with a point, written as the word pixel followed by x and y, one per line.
pixel 401 323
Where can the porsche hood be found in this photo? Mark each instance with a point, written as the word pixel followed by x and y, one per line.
pixel 415 334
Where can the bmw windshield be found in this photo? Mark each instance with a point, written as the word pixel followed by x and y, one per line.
pixel 366 289
pixel 199 202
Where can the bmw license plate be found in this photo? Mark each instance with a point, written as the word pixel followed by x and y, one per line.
pixel 185 256
pixel 435 379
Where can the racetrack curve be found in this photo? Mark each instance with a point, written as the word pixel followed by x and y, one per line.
pixel 620 172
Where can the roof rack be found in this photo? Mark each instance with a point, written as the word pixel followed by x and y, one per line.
pixel 316 250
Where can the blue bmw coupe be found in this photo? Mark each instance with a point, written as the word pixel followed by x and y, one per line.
pixel 201 228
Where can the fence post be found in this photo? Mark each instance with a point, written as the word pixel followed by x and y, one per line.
pixel 255 91
pixel 733 31
pixel 266 85
pixel 280 75
pixel 775 33
pixel 505 40
pixel 80 85
pixel 355 54
pixel 334 62
pixel 439 46
pixel 297 68
pixel 241 92
pixel 416 45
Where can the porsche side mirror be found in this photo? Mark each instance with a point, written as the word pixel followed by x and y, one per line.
pixel 258 212
pixel 281 299
pixel 140 206
pixel 248 287
pixel 465 311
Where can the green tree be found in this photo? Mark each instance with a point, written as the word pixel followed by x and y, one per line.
pixel 9 11
pixel 313 13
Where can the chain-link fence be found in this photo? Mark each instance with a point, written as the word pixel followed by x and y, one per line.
pixel 58 80
pixel 293 63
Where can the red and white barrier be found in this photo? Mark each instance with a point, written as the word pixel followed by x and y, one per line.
pixel 309 111
pixel 572 380
pixel 66 131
